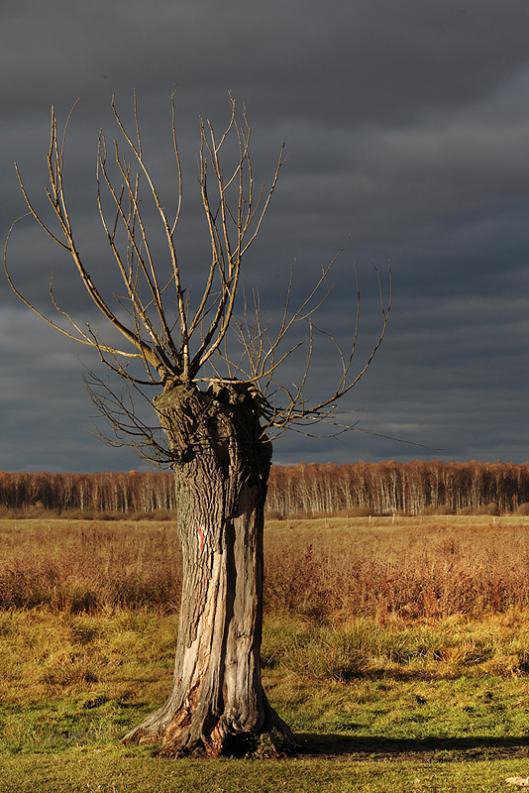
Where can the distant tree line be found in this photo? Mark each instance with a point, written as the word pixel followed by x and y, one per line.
pixel 412 488
pixel 88 493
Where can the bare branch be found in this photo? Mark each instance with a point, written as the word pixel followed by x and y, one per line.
pixel 206 342
pixel 82 339
pixel 169 239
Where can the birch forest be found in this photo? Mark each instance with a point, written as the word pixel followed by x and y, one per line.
pixel 303 490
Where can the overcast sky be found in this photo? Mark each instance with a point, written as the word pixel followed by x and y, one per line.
pixel 407 131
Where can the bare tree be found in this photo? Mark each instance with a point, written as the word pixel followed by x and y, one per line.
pixel 218 404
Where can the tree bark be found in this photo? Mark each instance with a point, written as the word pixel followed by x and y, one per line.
pixel 217 704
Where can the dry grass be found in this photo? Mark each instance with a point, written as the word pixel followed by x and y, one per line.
pixel 377 568
pixel 128 655
pixel 357 654
pixel 413 568
pixel 86 566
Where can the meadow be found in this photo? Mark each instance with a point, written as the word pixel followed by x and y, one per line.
pixel 396 648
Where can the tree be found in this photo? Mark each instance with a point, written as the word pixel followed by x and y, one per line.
pixel 214 367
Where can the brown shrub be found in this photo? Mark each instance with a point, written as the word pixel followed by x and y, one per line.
pixel 378 568
pixel 84 567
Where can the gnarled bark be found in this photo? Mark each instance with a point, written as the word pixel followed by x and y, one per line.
pixel 217 704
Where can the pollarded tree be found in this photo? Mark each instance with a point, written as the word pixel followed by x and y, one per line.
pixel 218 404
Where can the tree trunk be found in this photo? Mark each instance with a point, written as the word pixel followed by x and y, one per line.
pixel 217 704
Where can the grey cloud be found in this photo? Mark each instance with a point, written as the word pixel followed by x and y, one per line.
pixel 374 60
pixel 407 133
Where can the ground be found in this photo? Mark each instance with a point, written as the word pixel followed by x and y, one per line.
pixel 379 701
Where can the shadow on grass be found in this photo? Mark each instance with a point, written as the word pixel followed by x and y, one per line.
pixel 378 746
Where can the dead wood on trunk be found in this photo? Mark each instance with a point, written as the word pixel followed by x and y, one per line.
pixel 217 703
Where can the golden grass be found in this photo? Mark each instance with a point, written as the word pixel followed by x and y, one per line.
pixel 127 655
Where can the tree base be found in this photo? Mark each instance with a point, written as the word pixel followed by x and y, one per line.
pixel 179 738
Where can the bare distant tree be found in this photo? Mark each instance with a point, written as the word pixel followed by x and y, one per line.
pixel 218 404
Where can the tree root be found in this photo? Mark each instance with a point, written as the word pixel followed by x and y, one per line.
pixel 181 738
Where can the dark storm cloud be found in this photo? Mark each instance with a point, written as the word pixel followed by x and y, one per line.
pixel 377 60
pixel 407 127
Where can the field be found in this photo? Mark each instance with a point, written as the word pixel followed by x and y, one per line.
pixel 397 649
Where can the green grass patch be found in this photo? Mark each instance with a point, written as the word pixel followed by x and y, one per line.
pixel 438 705
pixel 114 770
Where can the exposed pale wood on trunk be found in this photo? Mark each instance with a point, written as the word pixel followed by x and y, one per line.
pixel 218 703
